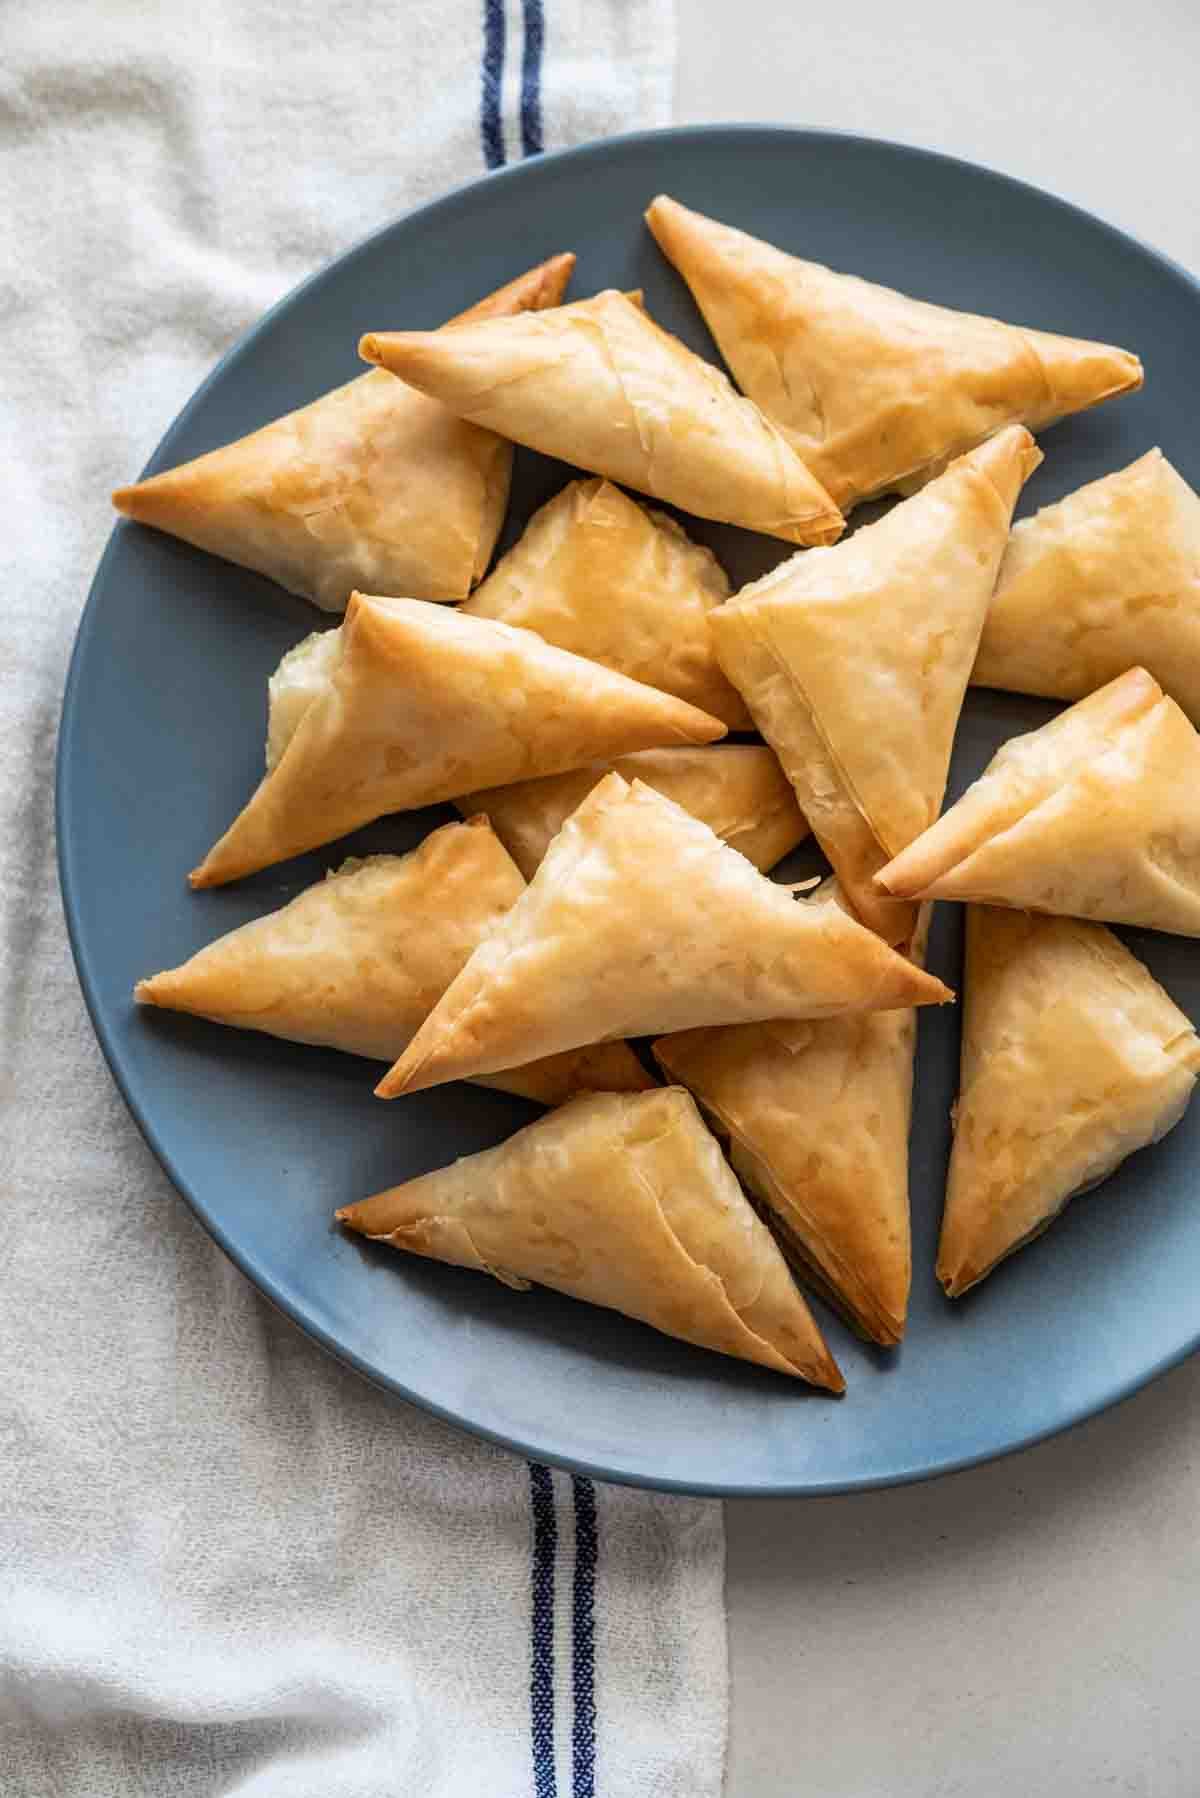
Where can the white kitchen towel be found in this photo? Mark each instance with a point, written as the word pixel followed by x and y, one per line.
pixel 228 1566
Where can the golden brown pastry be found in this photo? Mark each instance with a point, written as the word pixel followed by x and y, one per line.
pixel 737 789
pixel 604 577
pixel 1073 1056
pixel 640 920
pixel 854 662
pixel 875 391
pixel 625 1201
pixel 358 961
pixel 372 485
pixel 413 704
pixel 1108 579
pixel 599 384
pixel 816 1116
pixel 1093 816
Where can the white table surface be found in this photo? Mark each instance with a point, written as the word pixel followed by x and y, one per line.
pixel 1032 1628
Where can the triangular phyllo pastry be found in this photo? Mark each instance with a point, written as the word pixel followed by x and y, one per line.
pixel 737 789
pixel 1093 816
pixel 854 662
pixel 624 1201
pixel 816 1117
pixel 640 920
pixel 412 704
pixel 876 391
pixel 1073 1056
pixel 1108 579
pixel 599 384
pixel 604 577
pixel 372 485
pixel 358 961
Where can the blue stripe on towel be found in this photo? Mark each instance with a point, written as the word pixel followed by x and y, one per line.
pixel 541 1672
pixel 491 124
pixel 583 1652
pixel 531 77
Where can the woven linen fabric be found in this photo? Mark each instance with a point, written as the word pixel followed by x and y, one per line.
pixel 229 1566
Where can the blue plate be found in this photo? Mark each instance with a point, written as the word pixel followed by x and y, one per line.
pixel 161 742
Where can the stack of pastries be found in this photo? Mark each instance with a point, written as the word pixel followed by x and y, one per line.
pixel 610 877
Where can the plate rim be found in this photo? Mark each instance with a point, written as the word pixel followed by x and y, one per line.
pixel 69 875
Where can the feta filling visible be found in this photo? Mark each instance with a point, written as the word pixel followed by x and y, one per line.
pixel 302 676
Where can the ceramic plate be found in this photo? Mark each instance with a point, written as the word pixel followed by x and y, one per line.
pixel 161 743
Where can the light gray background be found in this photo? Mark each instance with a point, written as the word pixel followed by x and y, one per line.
pixel 1030 1628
